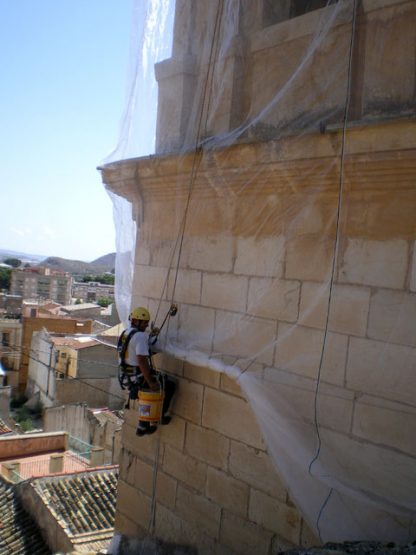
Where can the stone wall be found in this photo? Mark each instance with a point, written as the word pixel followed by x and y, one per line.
pixel 257 260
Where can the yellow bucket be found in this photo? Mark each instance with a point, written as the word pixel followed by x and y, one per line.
pixel 150 405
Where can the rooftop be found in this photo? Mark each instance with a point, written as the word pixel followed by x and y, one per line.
pixel 18 532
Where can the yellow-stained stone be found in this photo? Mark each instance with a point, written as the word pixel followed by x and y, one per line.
pixel 299 349
pixel 255 468
pixel 275 516
pixel 309 257
pixel 274 298
pixel 228 492
pixel 364 263
pixel 187 402
pixel 126 526
pixel 230 416
pixel 308 537
pixel 231 386
pixel 185 468
pixel 169 364
pixel 224 291
pixel 174 433
pixel 139 446
pixel 393 317
pixel 198 511
pixel 207 446
pixel 242 536
pixel 348 311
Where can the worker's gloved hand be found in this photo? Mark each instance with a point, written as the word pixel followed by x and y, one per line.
pixel 154 332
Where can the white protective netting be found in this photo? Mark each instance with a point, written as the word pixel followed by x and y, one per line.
pixel 290 201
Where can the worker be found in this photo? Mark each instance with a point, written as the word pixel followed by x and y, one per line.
pixel 137 372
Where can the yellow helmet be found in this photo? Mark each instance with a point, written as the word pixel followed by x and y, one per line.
pixel 140 313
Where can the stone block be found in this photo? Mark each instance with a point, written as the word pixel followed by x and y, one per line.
pixel 383 369
pixel 348 311
pixel 149 281
pixel 169 364
pixel 141 447
pixel 393 317
pixel 230 416
pixel 202 375
pixel 198 511
pixel 244 336
pixel 335 357
pixel 308 538
pixel 275 516
pixel 309 258
pixel 174 434
pixel 231 386
pixel 128 497
pixel 188 400
pixel 184 286
pixel 244 537
pixel 213 253
pixel 207 446
pixel 299 349
pixel 274 298
pixel 386 423
pixel 377 263
pixel 255 468
pixel 126 526
pixel 193 318
pixel 224 291
pixel 313 304
pixel 413 270
pixel 228 492
pixel 185 468
pixel 260 256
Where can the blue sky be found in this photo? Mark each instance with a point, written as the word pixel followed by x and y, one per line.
pixel 64 78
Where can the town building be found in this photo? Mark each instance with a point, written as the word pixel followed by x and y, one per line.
pixel 41 283
pixel 51 323
pixel 279 214
pixel 92 291
pixel 10 305
pixel 65 369
pixel 10 348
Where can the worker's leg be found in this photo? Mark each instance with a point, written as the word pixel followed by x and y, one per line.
pixel 169 387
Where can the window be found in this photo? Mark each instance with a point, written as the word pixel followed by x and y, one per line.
pixel 276 11
pixel 5 339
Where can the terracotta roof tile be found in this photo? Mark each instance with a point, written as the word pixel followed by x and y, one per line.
pixel 84 503
pixel 18 532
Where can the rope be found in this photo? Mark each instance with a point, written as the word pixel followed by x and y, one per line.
pixel 197 157
pixel 335 257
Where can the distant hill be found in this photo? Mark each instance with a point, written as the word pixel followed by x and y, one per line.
pixel 103 264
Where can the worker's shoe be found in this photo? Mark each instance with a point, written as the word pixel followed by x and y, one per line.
pixel 165 420
pixel 145 429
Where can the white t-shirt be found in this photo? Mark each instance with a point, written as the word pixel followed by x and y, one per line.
pixel 138 345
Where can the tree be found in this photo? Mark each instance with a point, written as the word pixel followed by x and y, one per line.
pixel 15 262
pixel 5 274
pixel 104 301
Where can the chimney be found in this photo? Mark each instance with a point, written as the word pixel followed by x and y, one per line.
pixel 56 463
pixel 11 471
pixel 97 457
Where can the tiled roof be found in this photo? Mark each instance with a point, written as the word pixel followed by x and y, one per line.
pixel 4 428
pixel 18 533
pixel 84 504
pixel 75 342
